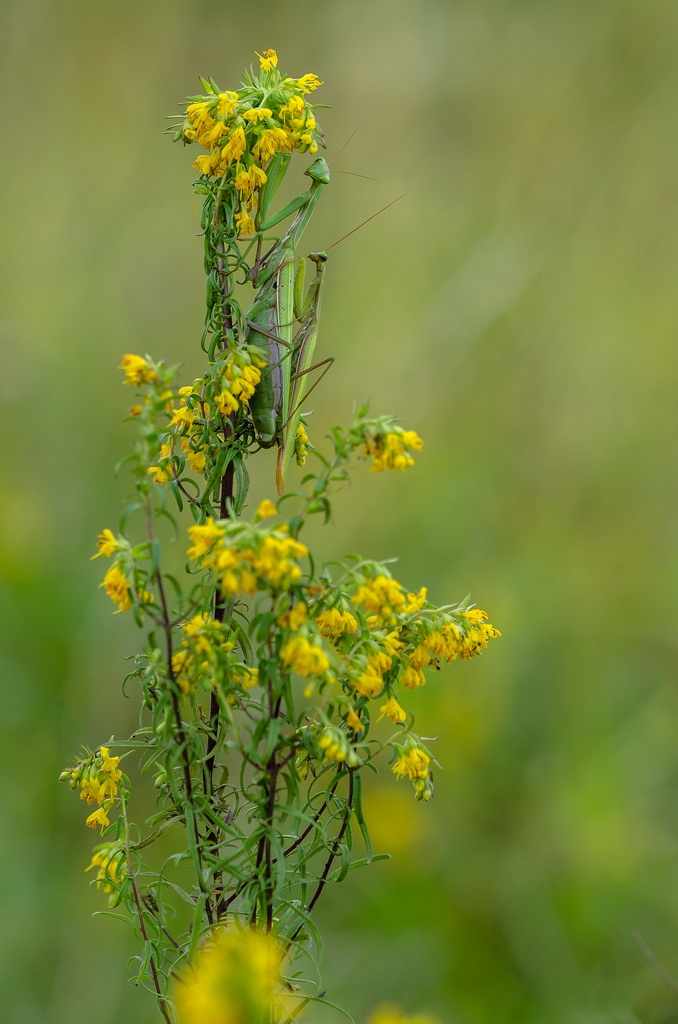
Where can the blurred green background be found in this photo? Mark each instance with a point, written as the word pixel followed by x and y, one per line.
pixel 519 309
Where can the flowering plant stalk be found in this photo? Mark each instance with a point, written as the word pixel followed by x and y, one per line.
pixel 268 683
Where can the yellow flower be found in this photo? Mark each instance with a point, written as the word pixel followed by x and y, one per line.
pixel 301 445
pixel 137 370
pixel 309 83
pixel 369 682
pixel 217 132
pixel 227 103
pixel 182 417
pixel 204 537
pixel 109 765
pixel 297 616
pixel 412 677
pixel 233 979
pixel 257 114
pixel 235 146
pixel 160 473
pixel 160 476
pixel 118 588
pixel 383 597
pixel 208 163
pixel 273 561
pixel 353 720
pixel 415 602
pixel 243 380
pixel 270 141
pixel 412 440
pixel 380 661
pixel 107 544
pixel 98 817
pixel 247 678
pixel 478 635
pixel 333 745
pixel 183 667
pixel 394 711
pixel 391 642
pixel 243 182
pixel 199 115
pixel 388 450
pixel 332 623
pixel 414 764
pixel 109 858
pixel 197 459
pixel 303 657
pixel 268 60
pixel 266 508
pixel 244 223
pixel 194 630
pixel 226 403
pixel 294 107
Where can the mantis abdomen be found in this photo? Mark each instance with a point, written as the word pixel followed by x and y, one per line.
pixel 266 402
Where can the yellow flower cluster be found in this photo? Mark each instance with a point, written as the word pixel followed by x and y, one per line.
pixel 333 623
pixel 335 746
pixel 391 450
pixel 245 677
pixel 259 561
pixel 382 597
pixel 414 762
pixel 265 510
pixel 109 859
pixel 233 980
pixel 393 710
pixel 137 370
pixel 478 635
pixel 241 131
pixel 242 374
pixel 301 445
pixel 303 657
pixel 236 386
pixel 118 588
pixel 448 643
pixel 370 681
pixel 295 618
pixel 97 778
pixel 185 662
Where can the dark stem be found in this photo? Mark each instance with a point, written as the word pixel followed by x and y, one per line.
pixel 322 882
pixel 182 737
pixel 264 848
pixel 151 961
pixel 316 818
pixel 149 907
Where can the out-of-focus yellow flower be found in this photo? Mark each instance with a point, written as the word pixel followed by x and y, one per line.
pixel 266 508
pixel 233 980
pixel 118 588
pixel 303 657
pixel 137 370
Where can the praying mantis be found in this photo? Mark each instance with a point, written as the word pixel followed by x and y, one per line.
pixel 276 404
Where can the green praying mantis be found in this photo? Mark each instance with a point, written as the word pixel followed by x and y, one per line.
pixel 279 304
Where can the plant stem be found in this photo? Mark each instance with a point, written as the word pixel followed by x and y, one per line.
pixel 322 882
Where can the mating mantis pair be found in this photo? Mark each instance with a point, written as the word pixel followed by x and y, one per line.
pixel 278 305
